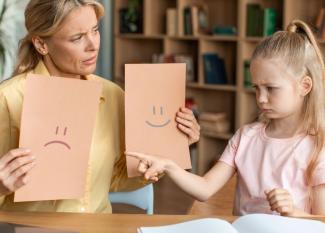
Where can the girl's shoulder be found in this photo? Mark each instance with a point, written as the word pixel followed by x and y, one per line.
pixel 252 129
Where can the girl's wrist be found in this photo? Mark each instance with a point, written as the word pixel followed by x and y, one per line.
pixel 170 166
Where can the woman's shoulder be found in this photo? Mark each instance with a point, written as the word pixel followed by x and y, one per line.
pixel 12 84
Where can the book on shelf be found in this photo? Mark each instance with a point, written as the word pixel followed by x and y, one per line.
pixel 195 20
pixel 214 122
pixel 171 21
pixel 177 58
pixel 252 223
pixel 187 21
pixel 214 69
pixel 247 75
pixel 260 21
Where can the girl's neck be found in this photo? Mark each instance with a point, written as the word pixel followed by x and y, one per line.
pixel 285 127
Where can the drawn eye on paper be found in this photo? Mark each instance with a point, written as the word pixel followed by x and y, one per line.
pixel 59 142
pixel 159 116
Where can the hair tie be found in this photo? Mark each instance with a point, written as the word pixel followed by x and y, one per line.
pixel 292 28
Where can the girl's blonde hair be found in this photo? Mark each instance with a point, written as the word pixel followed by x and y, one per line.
pixel 43 18
pixel 298 49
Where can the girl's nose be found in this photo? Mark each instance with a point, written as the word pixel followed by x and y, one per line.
pixel 262 97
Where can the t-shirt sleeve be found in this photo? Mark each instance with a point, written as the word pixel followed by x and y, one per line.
pixel 228 155
pixel 319 172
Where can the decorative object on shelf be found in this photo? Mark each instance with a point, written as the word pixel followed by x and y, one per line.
pixel 214 69
pixel 247 75
pixel 190 103
pixel 177 58
pixel 224 30
pixel 171 22
pixel 214 122
pixel 260 21
pixel 131 18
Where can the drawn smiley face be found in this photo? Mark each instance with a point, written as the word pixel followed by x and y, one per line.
pixel 60 142
pixel 159 115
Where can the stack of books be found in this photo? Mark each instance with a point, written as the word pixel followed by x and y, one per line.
pixel 214 122
pixel 177 58
pixel 196 20
pixel 260 21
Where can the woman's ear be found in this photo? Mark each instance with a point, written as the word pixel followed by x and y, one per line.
pixel 306 85
pixel 40 45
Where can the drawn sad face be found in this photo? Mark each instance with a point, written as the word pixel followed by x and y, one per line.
pixel 61 134
pixel 158 118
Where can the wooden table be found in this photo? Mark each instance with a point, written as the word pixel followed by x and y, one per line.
pixel 95 223
pixel 100 223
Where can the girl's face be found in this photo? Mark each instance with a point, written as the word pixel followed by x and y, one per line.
pixel 278 92
pixel 72 51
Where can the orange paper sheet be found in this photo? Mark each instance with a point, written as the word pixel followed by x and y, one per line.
pixel 153 95
pixel 57 123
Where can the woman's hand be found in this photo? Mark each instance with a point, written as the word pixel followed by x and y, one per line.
pixel 281 201
pixel 187 123
pixel 152 167
pixel 14 168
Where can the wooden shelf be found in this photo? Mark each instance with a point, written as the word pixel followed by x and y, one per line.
pixel 253 39
pixel 139 36
pixel 223 136
pixel 238 102
pixel 212 87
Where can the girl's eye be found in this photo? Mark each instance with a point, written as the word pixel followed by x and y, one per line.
pixel 271 88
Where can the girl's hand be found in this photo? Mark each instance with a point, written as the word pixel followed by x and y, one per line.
pixel 151 166
pixel 281 201
pixel 14 168
pixel 188 125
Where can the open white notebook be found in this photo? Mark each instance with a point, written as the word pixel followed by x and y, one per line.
pixel 253 223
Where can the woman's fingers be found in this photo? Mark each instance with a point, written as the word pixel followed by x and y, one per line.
pixel 18 178
pixel 12 154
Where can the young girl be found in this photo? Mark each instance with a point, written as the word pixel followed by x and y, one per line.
pixel 279 160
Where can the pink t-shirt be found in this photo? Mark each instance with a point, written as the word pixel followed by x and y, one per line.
pixel 264 163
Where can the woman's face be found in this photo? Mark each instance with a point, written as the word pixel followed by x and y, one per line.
pixel 72 51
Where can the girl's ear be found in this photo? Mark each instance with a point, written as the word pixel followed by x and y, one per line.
pixel 40 45
pixel 306 85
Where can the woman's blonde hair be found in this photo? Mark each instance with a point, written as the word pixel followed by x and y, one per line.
pixel 43 18
pixel 298 49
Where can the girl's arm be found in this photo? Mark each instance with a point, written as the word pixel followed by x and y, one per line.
pixel 199 187
pixel 281 201
pixel 318 207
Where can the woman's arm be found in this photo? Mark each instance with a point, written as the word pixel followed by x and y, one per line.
pixel 199 187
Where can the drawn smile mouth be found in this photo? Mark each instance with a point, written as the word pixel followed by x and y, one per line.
pixel 158 125
pixel 58 142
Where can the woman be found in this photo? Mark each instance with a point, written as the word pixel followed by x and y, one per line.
pixel 63 41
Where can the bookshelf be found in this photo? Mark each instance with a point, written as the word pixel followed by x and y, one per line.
pixel 234 98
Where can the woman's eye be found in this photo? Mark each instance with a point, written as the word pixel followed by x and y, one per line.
pixel 76 39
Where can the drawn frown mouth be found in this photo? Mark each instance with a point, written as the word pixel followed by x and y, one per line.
pixel 57 142
pixel 158 125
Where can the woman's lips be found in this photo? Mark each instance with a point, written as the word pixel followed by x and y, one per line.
pixel 90 61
